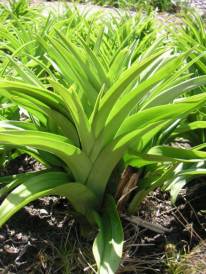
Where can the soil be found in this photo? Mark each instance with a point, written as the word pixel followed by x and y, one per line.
pixel 45 238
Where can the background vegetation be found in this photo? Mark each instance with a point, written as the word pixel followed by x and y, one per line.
pixel 161 5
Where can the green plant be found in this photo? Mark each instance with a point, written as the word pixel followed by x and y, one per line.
pixel 18 9
pixel 86 113
pixel 162 5
pixel 191 35
pixel 88 138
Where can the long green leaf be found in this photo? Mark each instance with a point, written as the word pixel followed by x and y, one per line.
pixel 170 94
pixel 51 183
pixel 166 153
pixel 113 94
pixel 58 145
pixel 74 105
pixel 108 245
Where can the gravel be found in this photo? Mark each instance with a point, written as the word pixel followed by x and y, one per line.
pixel 201 4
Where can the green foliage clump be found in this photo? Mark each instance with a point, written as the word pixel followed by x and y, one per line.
pixel 96 92
pixel 161 5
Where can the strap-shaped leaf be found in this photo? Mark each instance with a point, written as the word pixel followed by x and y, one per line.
pixel 116 149
pixel 8 88
pixel 118 64
pixel 193 172
pixel 179 181
pixel 147 185
pixel 51 119
pixel 51 183
pixel 93 76
pixel 170 94
pixel 178 76
pixel 128 101
pixel 163 112
pixel 8 183
pixel 126 104
pixel 74 106
pixel 108 245
pixel 134 128
pixel 67 61
pixel 25 73
pixel 113 94
pixel 132 125
pixel 58 145
pixel 101 74
pixel 188 127
pixel 164 153
pixel 9 124
pixel 32 189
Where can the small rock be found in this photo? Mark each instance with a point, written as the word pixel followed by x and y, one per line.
pixel 11 232
pixel 18 236
pixel 11 249
pixel 2 238
pixel 43 212
pixel 21 237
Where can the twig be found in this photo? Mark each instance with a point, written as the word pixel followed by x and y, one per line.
pixel 140 222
